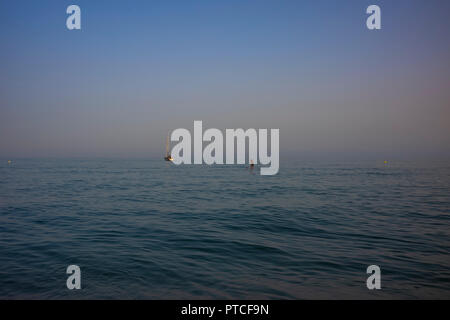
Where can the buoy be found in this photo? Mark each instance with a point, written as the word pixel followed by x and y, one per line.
pixel 9 161
pixel 385 161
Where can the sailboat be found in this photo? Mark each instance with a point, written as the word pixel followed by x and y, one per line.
pixel 168 157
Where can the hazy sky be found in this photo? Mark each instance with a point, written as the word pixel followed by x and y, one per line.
pixel 138 69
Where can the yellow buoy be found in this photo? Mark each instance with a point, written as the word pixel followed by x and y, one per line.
pixel 385 161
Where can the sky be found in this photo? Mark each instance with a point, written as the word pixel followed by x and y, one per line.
pixel 139 69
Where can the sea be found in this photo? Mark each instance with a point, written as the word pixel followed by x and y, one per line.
pixel 148 229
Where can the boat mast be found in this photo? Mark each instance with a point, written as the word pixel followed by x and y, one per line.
pixel 167 145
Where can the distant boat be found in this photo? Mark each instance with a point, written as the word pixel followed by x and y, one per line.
pixel 168 157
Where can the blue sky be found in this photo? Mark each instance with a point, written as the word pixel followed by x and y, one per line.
pixel 138 69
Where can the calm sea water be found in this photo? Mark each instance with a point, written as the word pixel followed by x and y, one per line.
pixel 148 229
